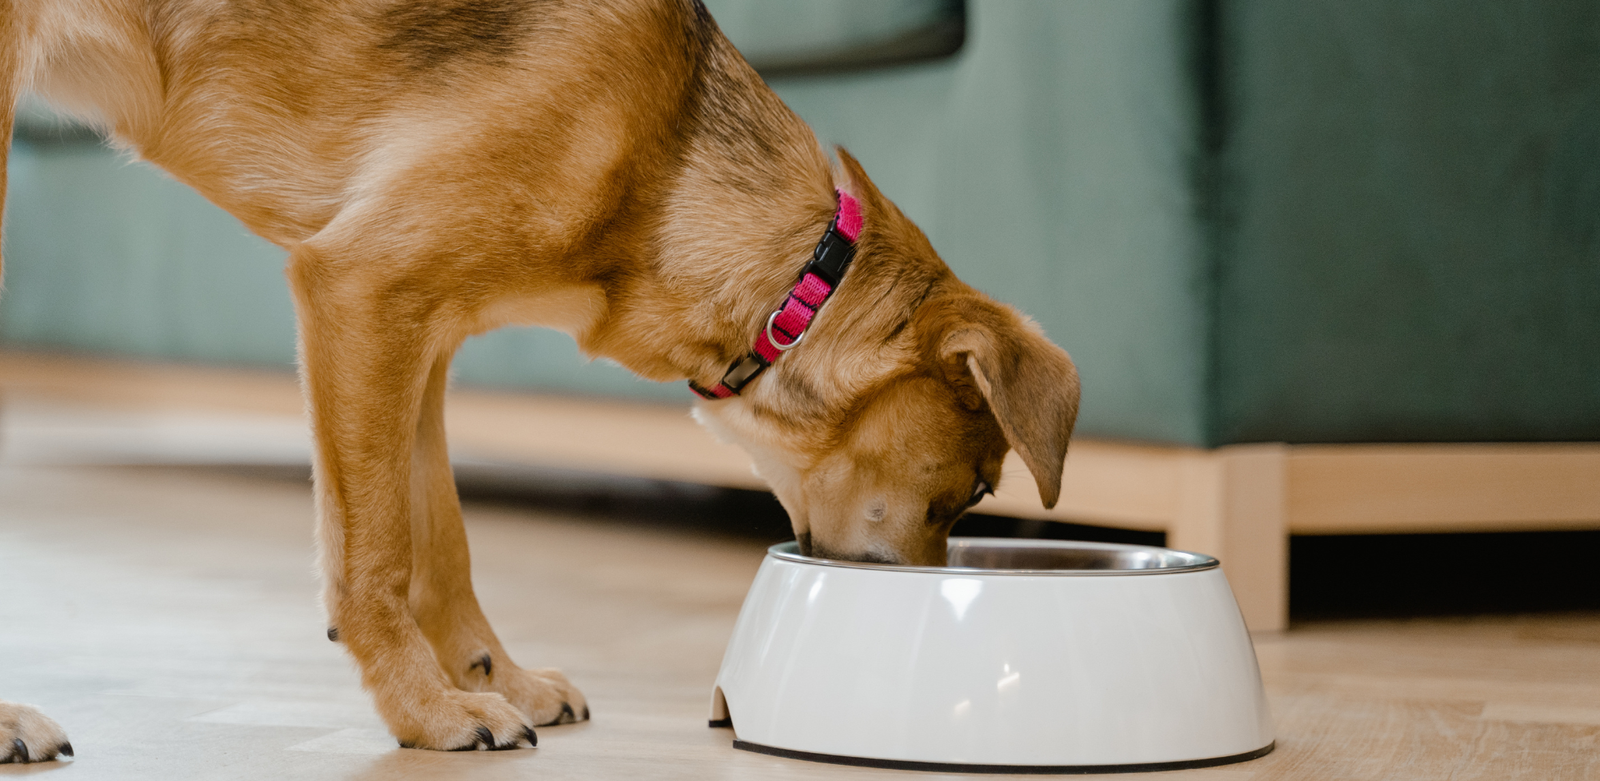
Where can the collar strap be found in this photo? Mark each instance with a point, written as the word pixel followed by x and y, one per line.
pixel 787 325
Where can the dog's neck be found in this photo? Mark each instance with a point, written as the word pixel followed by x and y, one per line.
pixel 734 227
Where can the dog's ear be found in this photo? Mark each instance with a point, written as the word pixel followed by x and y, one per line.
pixel 1030 384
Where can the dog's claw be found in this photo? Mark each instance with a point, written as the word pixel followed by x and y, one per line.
pixel 483 737
pixel 567 716
pixel 516 742
pixel 333 633
pixel 19 751
pixel 65 749
pixel 486 738
pixel 585 713
pixel 485 662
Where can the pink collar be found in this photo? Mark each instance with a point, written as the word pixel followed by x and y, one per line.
pixel 787 325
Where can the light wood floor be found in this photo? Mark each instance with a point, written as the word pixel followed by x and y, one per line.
pixel 163 609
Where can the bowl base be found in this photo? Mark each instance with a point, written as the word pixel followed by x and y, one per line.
pixel 957 767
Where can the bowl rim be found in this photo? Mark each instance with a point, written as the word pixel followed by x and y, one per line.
pixel 1196 562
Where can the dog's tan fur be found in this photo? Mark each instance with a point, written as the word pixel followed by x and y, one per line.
pixel 439 168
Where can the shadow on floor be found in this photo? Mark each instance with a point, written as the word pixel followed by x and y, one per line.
pixel 1392 575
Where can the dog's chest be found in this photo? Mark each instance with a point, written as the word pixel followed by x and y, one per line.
pixel 573 310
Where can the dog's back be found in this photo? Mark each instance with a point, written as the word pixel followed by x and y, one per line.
pixel 287 113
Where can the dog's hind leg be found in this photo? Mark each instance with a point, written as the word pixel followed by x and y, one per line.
pixel 370 332
pixel 441 583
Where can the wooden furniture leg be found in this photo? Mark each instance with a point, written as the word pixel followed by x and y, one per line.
pixel 1233 505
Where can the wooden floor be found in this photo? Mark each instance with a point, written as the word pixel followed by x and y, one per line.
pixel 157 598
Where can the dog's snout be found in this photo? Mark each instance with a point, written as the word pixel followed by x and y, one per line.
pixel 819 550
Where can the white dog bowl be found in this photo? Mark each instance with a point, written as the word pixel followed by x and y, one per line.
pixel 1021 656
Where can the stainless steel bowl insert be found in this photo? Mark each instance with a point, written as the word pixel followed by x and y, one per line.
pixel 977 555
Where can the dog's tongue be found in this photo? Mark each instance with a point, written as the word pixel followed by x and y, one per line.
pixel 849 216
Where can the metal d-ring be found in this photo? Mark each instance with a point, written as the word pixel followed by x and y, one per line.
pixel 782 348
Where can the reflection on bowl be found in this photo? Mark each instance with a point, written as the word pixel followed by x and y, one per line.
pixel 1021 655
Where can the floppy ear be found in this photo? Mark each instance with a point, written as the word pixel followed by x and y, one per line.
pixel 1030 384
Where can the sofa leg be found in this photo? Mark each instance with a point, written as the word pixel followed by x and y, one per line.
pixel 1232 505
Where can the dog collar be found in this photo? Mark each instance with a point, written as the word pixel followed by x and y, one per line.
pixel 787 324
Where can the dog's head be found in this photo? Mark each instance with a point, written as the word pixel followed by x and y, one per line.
pixel 893 419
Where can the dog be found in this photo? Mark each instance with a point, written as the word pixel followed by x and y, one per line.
pixel 609 168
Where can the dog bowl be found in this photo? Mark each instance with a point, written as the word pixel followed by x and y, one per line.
pixel 1021 656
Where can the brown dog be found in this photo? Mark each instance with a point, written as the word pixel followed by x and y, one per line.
pixel 438 168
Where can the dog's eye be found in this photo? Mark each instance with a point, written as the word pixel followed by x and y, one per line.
pixel 979 491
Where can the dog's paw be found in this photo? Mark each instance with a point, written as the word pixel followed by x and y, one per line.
pixel 26 735
pixel 546 696
pixel 464 721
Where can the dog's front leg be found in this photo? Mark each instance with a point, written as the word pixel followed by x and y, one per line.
pixel 368 342
pixel 442 598
pixel 26 735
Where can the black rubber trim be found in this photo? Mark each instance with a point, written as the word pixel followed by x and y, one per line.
pixel 957 767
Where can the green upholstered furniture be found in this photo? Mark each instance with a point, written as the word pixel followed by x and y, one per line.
pixel 814 36
pixel 1408 231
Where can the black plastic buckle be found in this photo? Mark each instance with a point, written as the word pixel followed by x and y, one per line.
pixel 832 255
pixel 744 370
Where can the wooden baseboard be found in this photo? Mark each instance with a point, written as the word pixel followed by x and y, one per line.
pixel 1388 489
